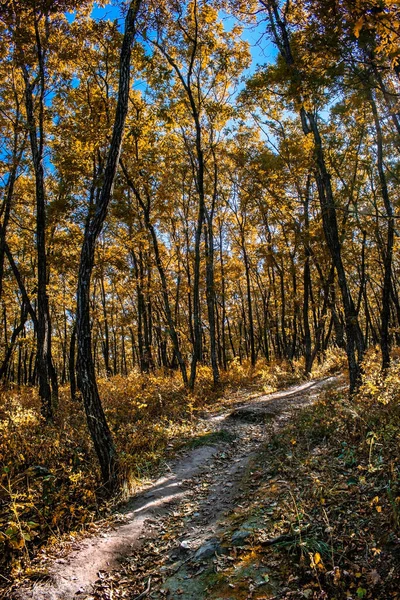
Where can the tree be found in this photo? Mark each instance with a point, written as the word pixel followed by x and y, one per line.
pixel 303 99
pixel 205 61
pixel 96 420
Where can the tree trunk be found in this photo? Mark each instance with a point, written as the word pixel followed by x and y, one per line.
pixel 36 136
pixel 223 302
pixel 306 290
pixel 97 424
pixel 210 295
pixel 71 364
pixel 164 285
pixel 388 253
pixel 10 346
pixel 354 337
pixel 249 303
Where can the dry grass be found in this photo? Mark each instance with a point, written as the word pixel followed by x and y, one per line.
pixel 330 483
pixel 50 482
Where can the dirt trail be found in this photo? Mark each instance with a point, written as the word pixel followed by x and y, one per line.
pixel 206 477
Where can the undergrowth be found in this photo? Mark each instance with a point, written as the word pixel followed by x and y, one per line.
pixel 50 482
pixel 327 488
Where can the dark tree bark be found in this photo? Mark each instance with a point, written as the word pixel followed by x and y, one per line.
pixel 10 347
pixel 307 286
pixel 249 304
pixel 48 388
pixel 210 296
pixel 5 210
pixel 388 253
pixel 105 338
pixel 197 325
pixel 145 205
pixel 210 288
pixel 72 363
pixel 355 343
pixel 354 338
pixel 189 83
pixel 22 289
pixel 97 424
pixel 140 313
pixel 223 301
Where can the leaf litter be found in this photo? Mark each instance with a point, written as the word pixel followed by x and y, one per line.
pixel 175 538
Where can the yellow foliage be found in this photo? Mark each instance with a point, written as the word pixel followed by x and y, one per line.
pixel 378 386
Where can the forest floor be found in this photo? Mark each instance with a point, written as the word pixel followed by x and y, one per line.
pixel 181 517
pixel 277 496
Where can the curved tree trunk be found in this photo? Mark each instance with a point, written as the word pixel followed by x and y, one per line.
pixel 96 420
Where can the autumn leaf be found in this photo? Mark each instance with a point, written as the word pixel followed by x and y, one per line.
pixel 358 26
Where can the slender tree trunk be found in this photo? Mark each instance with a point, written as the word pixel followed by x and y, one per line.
pixel 388 253
pixel 164 285
pixel 210 287
pixel 36 136
pixel 6 207
pixel 223 301
pixel 10 346
pixel 283 311
pixel 306 289
pixel 231 337
pixel 210 296
pixel 293 350
pixel 149 316
pixel 144 367
pixel 97 424
pixel 105 338
pixel 249 303
pixel 197 325
pixel 72 364
pixel 354 337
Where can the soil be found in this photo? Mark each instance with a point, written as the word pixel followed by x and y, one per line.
pixel 198 489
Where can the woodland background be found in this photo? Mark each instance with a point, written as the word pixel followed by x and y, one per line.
pixel 217 221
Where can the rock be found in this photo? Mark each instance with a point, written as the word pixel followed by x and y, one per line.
pixel 240 536
pixel 208 549
pixel 38 470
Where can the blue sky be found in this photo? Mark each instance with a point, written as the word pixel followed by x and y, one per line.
pixel 108 12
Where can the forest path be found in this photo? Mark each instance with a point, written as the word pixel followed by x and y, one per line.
pixel 183 508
